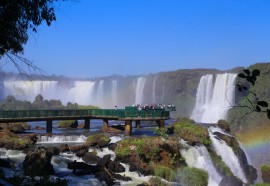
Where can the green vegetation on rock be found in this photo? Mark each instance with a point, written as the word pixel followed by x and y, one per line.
pixel 99 140
pixel 164 172
pixel 68 124
pixel 265 168
pixel 188 130
pixel 262 184
pixel 193 177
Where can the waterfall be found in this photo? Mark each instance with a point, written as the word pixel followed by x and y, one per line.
pixel 199 157
pixel 100 93
pixel 28 90
pixel 228 156
pixel 154 89
pixel 214 98
pixel 81 93
pixel 114 92
pixel 139 90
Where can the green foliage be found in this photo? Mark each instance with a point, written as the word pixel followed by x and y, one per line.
pixel 265 168
pixel 156 181
pixel 163 172
pixel 94 137
pixel 188 130
pixel 220 164
pixel 262 184
pixel 145 148
pixel 67 124
pixel 193 177
pixel 162 132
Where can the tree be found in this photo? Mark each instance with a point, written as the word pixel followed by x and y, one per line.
pixel 16 18
pixel 255 104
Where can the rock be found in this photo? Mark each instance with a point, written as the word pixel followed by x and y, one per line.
pixel 64 148
pixel 52 151
pixel 81 168
pixel 266 176
pixel 224 125
pixel 110 129
pixel 15 127
pixel 38 163
pixel 104 176
pixel 81 152
pixel 40 128
pixel 230 181
pixel 5 163
pixel 115 166
pixel 76 148
pixel 120 177
pixel 91 158
pixel 112 146
pixel 10 140
pixel 102 162
pixel 251 173
pixel 99 140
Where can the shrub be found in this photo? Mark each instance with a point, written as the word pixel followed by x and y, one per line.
pixel 155 181
pixel 162 132
pixel 163 172
pixel 193 177
pixel 68 124
pixel 265 168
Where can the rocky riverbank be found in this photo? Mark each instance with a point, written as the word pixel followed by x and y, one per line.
pixel 160 157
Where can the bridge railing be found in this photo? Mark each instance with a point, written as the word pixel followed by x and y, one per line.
pixel 118 113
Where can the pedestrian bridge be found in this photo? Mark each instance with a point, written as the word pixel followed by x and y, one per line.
pixel 128 115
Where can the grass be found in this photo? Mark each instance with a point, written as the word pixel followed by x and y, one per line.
pixel 193 177
pixel 163 172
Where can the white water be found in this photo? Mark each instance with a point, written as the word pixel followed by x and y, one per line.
pixel 114 92
pixel 82 93
pixel 199 157
pixel 228 156
pixel 154 89
pixel 214 98
pixel 139 90
pixel 62 139
pixel 28 90
pixel 100 92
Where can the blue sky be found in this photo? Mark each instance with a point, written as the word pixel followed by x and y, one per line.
pixel 93 38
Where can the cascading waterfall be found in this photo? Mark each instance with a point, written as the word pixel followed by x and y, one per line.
pixel 139 90
pixel 213 99
pixel 82 93
pixel 227 155
pixel 114 92
pixel 199 157
pixel 100 93
pixel 28 90
pixel 154 89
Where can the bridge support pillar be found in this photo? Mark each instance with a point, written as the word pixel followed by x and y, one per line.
pixel 105 124
pixel 128 127
pixel 86 123
pixel 161 123
pixel 138 124
pixel 49 126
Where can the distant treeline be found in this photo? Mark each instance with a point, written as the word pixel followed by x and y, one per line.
pixel 10 103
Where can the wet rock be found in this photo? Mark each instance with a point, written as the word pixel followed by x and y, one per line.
pixel 40 128
pixel 103 162
pixel 112 146
pixel 230 181
pixel 76 148
pixel 115 166
pixel 64 148
pixel 81 168
pixel 91 158
pixel 38 163
pixel 52 151
pixel 224 126
pixel 99 140
pixel 120 177
pixel 104 176
pixel 5 163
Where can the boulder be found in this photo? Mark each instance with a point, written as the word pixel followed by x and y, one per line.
pixel 230 181
pixel 38 163
pixel 115 166
pixel 81 168
pixel 112 146
pixel 51 151
pixel 224 125
pixel 40 128
pixel 90 157
pixel 64 148
pixel 99 140
pixel 103 162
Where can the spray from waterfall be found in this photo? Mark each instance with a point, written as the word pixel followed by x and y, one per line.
pixel 100 93
pixel 227 155
pixel 139 90
pixel 154 89
pixel 114 92
pixel 214 98
pixel 199 157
